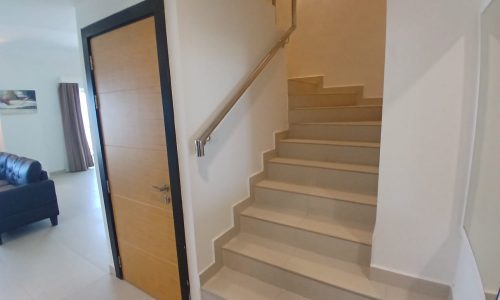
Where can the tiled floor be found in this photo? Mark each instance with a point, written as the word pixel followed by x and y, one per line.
pixel 69 261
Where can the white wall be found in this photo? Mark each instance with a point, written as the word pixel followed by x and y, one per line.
pixel 341 39
pixel 467 283
pixel 429 105
pixel 482 211
pixel 220 42
pixel 38 45
pixel 213 45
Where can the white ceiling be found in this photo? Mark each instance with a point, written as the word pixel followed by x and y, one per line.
pixel 48 21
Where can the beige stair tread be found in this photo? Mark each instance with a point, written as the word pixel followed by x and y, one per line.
pixel 348 123
pixel 326 165
pixel 333 143
pixel 336 107
pixel 309 79
pixel 338 273
pixel 316 224
pixel 318 192
pixel 232 285
pixel 324 94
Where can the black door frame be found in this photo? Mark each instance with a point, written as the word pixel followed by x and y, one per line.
pixel 148 8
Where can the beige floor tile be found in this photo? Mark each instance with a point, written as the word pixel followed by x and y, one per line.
pixel 39 261
pixel 110 288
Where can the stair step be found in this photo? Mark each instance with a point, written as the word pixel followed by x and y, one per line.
pixel 229 284
pixel 370 101
pixel 318 192
pixel 337 107
pixel 318 80
pixel 338 176
pixel 304 272
pixel 333 143
pixel 294 201
pixel 323 100
pixel 347 123
pixel 326 165
pixel 301 87
pixel 349 131
pixel 303 221
pixel 319 89
pixel 336 114
pixel 308 240
pixel 351 152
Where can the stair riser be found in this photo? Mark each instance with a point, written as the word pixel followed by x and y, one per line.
pixel 323 100
pixel 322 207
pixel 303 286
pixel 297 87
pixel 343 154
pixel 321 244
pixel 370 101
pixel 335 132
pixel 327 178
pixel 318 80
pixel 344 114
pixel 320 90
pixel 205 295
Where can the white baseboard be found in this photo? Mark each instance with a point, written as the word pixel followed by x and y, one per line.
pixel 490 296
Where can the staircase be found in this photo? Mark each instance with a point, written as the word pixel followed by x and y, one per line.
pixel 306 233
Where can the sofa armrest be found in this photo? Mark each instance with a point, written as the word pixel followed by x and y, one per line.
pixel 21 170
pixel 26 197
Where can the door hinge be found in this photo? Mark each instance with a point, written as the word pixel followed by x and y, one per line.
pixel 107 186
pixel 96 102
pixel 91 61
pixel 120 261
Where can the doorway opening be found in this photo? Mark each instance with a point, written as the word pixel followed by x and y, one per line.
pixel 86 119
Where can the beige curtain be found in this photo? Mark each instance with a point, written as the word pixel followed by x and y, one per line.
pixel 77 146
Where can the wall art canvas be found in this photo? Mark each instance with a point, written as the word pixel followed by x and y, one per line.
pixel 17 100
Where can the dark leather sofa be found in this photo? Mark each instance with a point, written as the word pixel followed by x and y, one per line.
pixel 27 195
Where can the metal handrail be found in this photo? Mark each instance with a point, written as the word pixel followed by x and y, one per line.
pixel 205 136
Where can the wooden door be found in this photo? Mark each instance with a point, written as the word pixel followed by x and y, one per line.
pixel 127 85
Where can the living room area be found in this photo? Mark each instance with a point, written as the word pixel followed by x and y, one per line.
pixel 55 243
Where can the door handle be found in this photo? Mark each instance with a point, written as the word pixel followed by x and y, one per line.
pixel 163 188
pixel 167 199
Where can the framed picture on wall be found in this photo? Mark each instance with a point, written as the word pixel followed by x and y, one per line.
pixel 17 100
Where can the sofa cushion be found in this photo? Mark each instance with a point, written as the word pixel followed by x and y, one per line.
pixel 21 170
pixel 6 188
pixel 3 164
